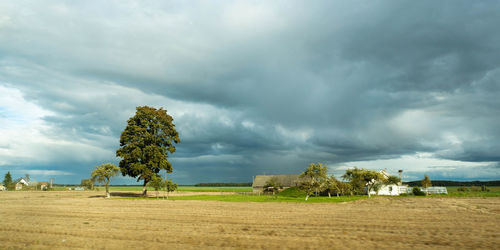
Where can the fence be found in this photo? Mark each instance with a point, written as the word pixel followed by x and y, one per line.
pixel 430 190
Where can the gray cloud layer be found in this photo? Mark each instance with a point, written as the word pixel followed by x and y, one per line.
pixel 260 87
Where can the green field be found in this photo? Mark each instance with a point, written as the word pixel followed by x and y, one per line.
pixel 453 192
pixel 185 188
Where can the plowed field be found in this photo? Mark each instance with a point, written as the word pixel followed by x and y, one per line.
pixel 62 220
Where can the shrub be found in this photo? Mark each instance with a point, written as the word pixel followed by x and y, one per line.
pixel 417 192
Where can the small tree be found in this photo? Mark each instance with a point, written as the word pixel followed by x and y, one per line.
pixel 359 178
pixel 426 182
pixel 87 183
pixel 170 186
pixel 332 186
pixel 393 180
pixel 7 181
pixel 157 183
pixel 273 184
pixel 103 174
pixel 313 180
pixel 345 188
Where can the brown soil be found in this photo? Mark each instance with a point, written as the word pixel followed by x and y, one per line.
pixel 63 220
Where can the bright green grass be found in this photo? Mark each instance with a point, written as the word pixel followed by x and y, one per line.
pixel 260 198
pixel 452 192
pixel 186 188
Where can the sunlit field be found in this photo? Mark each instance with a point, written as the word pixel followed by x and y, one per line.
pixel 84 219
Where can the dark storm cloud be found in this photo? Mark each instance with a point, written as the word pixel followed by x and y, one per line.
pixel 264 87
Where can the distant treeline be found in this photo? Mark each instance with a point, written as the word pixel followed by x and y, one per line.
pixel 224 184
pixel 455 183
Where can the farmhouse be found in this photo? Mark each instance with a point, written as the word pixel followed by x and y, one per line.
pixel 285 180
pixel 390 189
pixel 2 187
pixel 20 183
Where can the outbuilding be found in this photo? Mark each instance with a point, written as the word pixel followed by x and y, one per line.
pixel 285 180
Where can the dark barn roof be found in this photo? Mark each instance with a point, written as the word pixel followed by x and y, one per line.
pixel 287 180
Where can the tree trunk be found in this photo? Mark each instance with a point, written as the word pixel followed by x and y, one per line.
pixel 307 196
pixel 329 196
pixel 337 194
pixel 368 189
pixel 107 189
pixel 145 189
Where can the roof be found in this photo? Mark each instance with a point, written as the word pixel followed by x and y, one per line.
pixel 22 181
pixel 287 180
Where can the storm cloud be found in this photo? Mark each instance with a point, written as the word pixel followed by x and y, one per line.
pixel 254 86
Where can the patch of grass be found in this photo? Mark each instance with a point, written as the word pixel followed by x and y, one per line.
pixel 292 192
pixel 453 192
pixel 186 188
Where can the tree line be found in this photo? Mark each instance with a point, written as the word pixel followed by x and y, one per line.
pixel 316 181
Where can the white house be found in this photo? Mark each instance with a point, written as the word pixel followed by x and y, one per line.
pixel 20 183
pixel 390 189
pixel 2 187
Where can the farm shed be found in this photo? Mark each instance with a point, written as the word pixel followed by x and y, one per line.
pixel 286 180
pixel 43 185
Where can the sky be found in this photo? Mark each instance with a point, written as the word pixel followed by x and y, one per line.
pixel 254 87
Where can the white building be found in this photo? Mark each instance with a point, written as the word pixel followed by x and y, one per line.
pixel 390 189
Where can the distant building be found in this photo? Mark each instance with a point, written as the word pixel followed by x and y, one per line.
pixel 2 188
pixel 20 183
pixel 285 180
pixel 390 189
pixel 43 185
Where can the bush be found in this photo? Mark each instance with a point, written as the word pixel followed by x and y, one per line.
pixel 417 192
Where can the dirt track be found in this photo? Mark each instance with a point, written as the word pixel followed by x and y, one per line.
pixel 73 220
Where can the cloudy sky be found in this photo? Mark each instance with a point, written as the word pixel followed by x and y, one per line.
pixel 254 87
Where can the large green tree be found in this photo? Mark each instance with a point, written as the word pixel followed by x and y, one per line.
pixel 361 178
pixel 7 181
pixel 313 180
pixel 145 143
pixel 103 174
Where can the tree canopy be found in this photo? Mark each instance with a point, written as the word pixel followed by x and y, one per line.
pixel 145 143
pixel 273 184
pixel 7 180
pixel 359 178
pixel 103 174
pixel 313 179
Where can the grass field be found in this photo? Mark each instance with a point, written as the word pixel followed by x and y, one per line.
pixel 82 219
pixel 180 188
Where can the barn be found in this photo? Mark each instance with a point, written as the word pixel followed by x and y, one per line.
pixel 286 180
